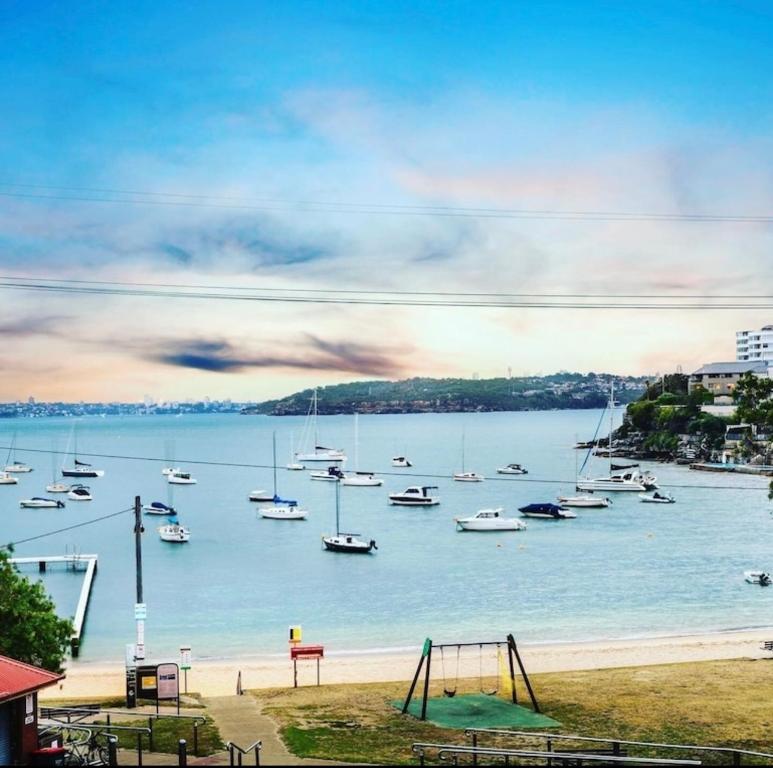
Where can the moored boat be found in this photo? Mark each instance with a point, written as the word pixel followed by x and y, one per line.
pixel 331 474
pixel 181 478
pixel 6 479
pixel 288 511
pixel 18 467
pixel 415 496
pixel 174 533
pixel 346 542
pixel 319 452
pixel 763 578
pixel 401 461
pixel 37 502
pixel 363 479
pixel 512 469
pixel 657 498
pixel 588 501
pixel 158 508
pixel 468 477
pixel 79 492
pixel 58 488
pixel 489 520
pixel 547 511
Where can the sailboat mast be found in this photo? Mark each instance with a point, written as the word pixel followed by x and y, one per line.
pixel 462 451
pixel 611 421
pixel 316 429
pixel 338 508
pixel 274 444
pixel 356 442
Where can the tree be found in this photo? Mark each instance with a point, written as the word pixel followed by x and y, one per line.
pixel 30 630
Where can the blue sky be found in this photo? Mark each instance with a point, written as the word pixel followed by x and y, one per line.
pixel 615 106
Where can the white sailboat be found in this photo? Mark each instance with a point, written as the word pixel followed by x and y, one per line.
pixel 6 479
pixel 293 465
pixel 467 477
pixel 15 466
pixel 346 542
pixel 174 532
pixel 281 509
pixel 360 478
pixel 629 479
pixel 55 486
pixel 319 452
pixel 79 469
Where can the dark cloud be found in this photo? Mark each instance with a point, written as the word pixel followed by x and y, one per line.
pixel 45 325
pixel 176 253
pixel 315 354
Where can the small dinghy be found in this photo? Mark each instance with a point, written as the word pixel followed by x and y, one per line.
pixel 588 501
pixel 79 493
pixel 657 498
pixel 158 508
pixel 547 512
pixel 363 479
pixel 58 488
pixel 331 474
pixel 512 469
pixel 37 502
pixel 174 533
pixel 489 520
pixel 762 578
pixel 181 478
pixel 287 511
pixel 401 461
pixel 415 496
pixel 6 479
pixel 18 467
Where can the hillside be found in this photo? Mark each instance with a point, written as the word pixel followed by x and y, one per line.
pixel 425 395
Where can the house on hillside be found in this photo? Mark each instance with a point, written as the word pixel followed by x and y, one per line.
pixel 721 379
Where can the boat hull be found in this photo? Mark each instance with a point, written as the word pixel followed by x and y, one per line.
pixel 352 547
pixel 283 513
pixel 18 468
pixel 83 473
pixel 172 480
pixel 331 458
pixel 363 481
pixel 468 477
pixel 46 504
pixel 406 502
pixel 506 471
pixel 8 480
pixel 610 485
pixel 481 526
pixel 58 488
pixel 584 503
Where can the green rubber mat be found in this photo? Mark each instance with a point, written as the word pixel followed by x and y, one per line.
pixel 477 711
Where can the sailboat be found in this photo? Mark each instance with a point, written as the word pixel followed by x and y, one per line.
pixel 320 453
pixel 15 466
pixel 346 542
pixel 55 486
pixel 282 509
pixel 294 465
pixel 359 477
pixel 627 479
pixel 467 477
pixel 174 532
pixel 79 468
pixel 587 500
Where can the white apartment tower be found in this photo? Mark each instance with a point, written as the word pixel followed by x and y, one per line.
pixel 755 346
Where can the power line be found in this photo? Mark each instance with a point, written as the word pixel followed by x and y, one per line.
pixel 125 290
pixel 13 544
pixel 245 465
pixel 171 199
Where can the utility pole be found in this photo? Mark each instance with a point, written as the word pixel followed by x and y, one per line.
pixel 137 652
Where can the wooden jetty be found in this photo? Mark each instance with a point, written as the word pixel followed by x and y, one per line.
pixel 87 563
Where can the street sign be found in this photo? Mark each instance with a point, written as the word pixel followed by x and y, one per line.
pixel 140 611
pixel 185 657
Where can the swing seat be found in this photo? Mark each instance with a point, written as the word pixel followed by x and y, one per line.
pixel 448 693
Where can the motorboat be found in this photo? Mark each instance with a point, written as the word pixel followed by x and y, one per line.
pixel 401 461
pixel 489 520
pixel 166 471
pixel 331 474
pixel 181 478
pixel 763 578
pixel 18 467
pixel 295 466
pixel 360 478
pixel 288 511
pixel 346 542
pixel 6 479
pixel 319 452
pixel 587 501
pixel 415 496
pixel 657 498
pixel 158 508
pixel 79 492
pixel 58 488
pixel 629 480
pixel 174 533
pixel 468 477
pixel 364 479
pixel 547 512
pixel 36 502
pixel 512 469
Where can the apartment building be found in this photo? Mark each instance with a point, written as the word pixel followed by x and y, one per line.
pixel 755 345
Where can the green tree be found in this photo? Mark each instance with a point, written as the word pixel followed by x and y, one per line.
pixel 30 630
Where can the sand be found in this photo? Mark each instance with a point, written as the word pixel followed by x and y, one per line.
pixel 219 677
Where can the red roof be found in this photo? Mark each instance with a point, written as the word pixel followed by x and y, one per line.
pixel 18 678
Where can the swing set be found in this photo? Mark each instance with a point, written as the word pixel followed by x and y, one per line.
pixel 450 689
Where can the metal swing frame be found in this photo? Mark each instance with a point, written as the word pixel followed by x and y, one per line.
pixel 513 658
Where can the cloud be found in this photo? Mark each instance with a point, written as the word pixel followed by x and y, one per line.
pixel 46 325
pixel 316 354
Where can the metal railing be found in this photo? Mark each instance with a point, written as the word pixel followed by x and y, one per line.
pixel 236 753
pixel 537 757
pixel 82 749
pixel 617 745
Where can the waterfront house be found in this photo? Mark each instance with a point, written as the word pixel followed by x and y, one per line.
pixel 19 686
pixel 720 379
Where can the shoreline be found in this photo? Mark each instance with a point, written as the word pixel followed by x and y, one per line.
pixel 218 677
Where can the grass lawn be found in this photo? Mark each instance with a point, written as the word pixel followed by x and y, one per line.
pixel 167 733
pixel 723 703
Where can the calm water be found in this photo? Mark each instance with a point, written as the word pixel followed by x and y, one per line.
pixel 632 569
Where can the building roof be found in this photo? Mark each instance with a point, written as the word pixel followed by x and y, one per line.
pixel 18 678
pixel 737 366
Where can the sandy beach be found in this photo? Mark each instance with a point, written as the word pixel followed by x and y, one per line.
pixel 218 677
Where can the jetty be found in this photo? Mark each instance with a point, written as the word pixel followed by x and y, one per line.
pixel 761 470
pixel 75 562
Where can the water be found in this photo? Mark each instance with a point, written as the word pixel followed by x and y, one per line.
pixel 629 570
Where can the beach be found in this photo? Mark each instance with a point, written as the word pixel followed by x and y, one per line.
pixel 219 677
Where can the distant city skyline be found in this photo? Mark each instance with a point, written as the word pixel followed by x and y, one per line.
pixel 222 113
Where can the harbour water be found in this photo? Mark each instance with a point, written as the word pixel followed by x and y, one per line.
pixel 630 570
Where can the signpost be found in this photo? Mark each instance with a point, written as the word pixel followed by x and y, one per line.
pixel 159 682
pixel 305 652
pixel 185 662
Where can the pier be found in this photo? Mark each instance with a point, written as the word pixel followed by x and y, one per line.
pixel 88 563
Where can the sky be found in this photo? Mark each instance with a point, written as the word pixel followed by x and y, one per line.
pixel 653 107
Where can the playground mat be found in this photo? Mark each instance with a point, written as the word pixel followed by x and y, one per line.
pixel 478 711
